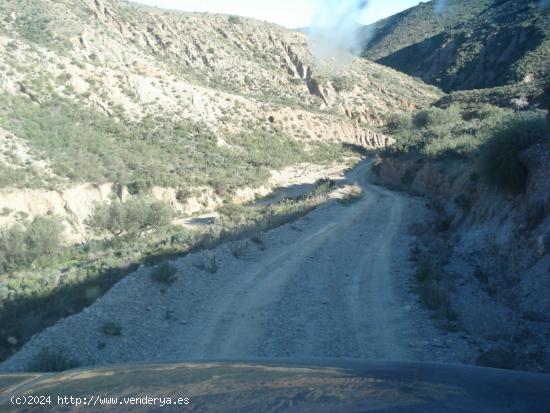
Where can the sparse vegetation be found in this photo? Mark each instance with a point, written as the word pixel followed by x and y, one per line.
pixel 457 131
pixel 52 360
pixel 131 218
pixel 353 194
pixel 413 40
pixel 87 146
pixel 165 273
pixel 111 328
pixel 432 292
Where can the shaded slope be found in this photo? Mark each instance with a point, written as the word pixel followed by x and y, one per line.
pixel 492 43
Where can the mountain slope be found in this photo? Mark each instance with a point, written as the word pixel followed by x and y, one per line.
pixel 116 64
pixel 469 45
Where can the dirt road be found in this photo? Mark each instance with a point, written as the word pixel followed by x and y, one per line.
pixel 330 292
pixel 334 284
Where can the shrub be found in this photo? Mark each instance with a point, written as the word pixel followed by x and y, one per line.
pixel 500 358
pixel 13 249
pixel 434 117
pixel 354 193
pixel 433 296
pixel 239 249
pixel 424 272
pixel 398 121
pixel 183 194
pixel 139 187
pixel 22 245
pixel 234 19
pixel 133 217
pixel 500 163
pixel 52 360
pixel 43 236
pixel 487 111
pixel 111 328
pixel 164 273
pixel 183 237
pixel 342 83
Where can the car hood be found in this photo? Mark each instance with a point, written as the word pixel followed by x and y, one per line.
pixel 282 385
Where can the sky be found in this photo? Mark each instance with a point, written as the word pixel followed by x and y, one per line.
pixel 288 13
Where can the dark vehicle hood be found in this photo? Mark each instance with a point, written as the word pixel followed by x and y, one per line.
pixel 282 385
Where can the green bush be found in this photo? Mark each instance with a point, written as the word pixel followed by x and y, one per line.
pixel 22 245
pixel 434 117
pixel 164 273
pixel 500 163
pixel 455 132
pixel 433 296
pixel 424 272
pixel 398 121
pixel 132 218
pixel 342 83
pixel 110 328
pixel 52 360
pixel 43 236
pixel 139 187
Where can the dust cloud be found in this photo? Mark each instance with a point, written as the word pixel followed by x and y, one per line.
pixel 335 36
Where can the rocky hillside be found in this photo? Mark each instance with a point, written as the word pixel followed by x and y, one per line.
pixel 108 92
pixel 466 44
pixel 484 263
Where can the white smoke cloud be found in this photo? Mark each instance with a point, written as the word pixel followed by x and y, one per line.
pixel 439 6
pixel 335 35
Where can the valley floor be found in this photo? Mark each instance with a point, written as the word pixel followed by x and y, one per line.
pixel 336 283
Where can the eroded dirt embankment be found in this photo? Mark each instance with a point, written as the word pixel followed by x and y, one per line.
pixel 494 249
pixel 75 204
pixel 336 283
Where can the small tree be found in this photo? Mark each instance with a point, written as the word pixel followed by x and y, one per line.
pixel 43 236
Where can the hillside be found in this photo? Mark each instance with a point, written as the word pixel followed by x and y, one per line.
pixel 467 45
pixel 115 93
pixel 120 124
pixel 116 64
